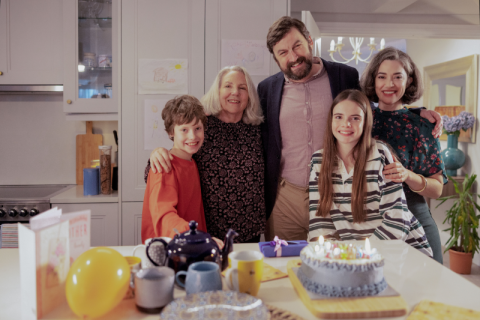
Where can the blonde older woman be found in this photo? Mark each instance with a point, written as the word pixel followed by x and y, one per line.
pixel 230 162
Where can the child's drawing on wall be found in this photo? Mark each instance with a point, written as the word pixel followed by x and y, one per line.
pixel 160 75
pixel 163 76
pixel 253 55
pixel 155 134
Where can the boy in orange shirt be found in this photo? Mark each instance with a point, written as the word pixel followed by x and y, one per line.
pixel 173 199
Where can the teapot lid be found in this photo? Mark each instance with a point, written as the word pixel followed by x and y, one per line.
pixel 193 235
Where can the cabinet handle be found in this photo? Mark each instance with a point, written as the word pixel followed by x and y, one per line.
pixel 69 101
pixel 1 73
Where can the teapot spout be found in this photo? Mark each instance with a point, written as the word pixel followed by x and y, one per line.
pixel 231 234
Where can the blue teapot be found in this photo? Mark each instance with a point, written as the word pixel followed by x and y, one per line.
pixel 189 247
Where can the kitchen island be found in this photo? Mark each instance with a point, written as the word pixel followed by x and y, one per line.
pixel 415 276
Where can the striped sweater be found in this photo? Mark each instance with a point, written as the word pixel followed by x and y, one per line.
pixel 387 214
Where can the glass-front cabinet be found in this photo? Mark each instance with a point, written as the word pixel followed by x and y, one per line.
pixel 91 52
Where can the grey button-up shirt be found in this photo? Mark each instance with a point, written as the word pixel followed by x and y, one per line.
pixel 303 119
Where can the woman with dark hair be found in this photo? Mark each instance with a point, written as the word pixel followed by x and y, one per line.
pixel 350 199
pixel 392 79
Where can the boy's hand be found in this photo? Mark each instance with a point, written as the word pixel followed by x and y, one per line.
pixel 160 160
pixel 219 242
pixel 433 117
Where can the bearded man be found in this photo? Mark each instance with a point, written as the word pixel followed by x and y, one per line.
pixel 295 104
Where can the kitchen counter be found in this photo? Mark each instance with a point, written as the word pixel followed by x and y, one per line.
pixel 415 276
pixel 75 195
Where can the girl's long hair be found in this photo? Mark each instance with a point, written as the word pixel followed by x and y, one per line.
pixel 360 154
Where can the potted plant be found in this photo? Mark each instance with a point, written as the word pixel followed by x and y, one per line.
pixel 464 240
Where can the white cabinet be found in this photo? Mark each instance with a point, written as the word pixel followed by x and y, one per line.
pixel 238 20
pixel 105 225
pixel 153 29
pixel 31 46
pixel 91 56
pixel 131 223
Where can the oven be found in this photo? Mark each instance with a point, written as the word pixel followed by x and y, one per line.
pixel 20 203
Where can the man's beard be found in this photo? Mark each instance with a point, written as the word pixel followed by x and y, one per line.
pixel 296 77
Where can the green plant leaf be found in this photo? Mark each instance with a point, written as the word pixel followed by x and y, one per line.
pixel 455 185
pixel 461 217
pixel 468 182
pixel 443 199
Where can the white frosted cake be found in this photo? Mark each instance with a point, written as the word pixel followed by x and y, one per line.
pixel 347 273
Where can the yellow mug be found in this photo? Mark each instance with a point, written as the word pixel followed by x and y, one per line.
pixel 135 266
pixel 245 270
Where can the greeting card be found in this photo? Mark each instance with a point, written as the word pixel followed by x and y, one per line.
pixel 46 250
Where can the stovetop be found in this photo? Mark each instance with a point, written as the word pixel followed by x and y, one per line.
pixel 20 203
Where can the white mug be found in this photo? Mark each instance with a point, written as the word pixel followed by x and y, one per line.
pixel 153 288
pixel 146 260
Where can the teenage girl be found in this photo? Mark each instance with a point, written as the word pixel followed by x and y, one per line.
pixel 350 198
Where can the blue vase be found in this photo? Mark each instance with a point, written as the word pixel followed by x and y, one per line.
pixel 453 158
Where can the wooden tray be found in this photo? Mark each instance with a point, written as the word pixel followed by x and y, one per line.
pixel 347 308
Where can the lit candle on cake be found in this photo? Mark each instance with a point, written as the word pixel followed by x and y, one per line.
pixel 369 252
pixel 336 252
pixel 328 245
pixel 321 241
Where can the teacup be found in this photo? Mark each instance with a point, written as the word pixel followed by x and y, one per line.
pixel 245 270
pixel 201 276
pixel 154 250
pixel 153 288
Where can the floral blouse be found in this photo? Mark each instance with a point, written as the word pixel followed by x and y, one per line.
pixel 231 168
pixel 411 138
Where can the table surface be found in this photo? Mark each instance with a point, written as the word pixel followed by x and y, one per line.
pixel 415 276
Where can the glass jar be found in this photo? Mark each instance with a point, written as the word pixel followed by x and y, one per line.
pixel 105 169
pixel 108 90
pixel 89 59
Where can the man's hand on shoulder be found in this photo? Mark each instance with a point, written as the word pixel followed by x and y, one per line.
pixel 433 117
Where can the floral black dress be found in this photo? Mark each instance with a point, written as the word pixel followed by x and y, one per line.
pixel 231 168
pixel 411 138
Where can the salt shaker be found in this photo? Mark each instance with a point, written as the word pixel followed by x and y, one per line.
pixel 105 169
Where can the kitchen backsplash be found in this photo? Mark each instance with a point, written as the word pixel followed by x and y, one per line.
pixel 37 143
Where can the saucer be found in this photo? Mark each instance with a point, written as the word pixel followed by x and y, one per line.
pixel 216 305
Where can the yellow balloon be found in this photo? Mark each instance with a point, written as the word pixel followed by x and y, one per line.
pixel 97 282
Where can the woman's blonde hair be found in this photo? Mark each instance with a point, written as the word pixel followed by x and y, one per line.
pixel 360 154
pixel 211 100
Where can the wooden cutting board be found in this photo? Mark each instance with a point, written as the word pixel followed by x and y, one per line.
pixel 347 308
pixel 87 150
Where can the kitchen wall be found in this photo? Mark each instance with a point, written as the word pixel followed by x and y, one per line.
pixel 426 52
pixel 37 143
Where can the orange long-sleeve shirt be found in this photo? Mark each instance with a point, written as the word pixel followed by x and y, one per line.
pixel 172 200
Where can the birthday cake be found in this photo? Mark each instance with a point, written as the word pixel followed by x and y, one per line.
pixel 341 270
